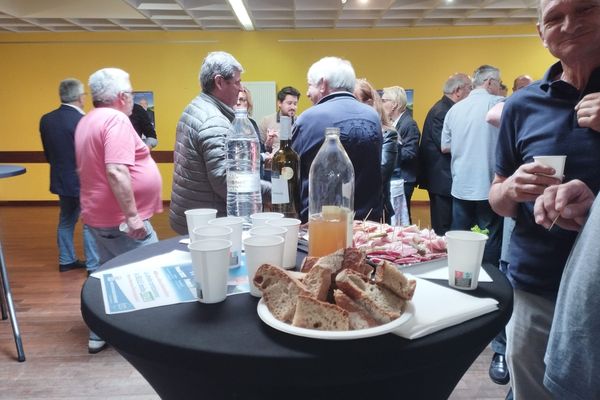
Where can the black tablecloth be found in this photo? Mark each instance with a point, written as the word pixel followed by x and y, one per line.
pixel 224 351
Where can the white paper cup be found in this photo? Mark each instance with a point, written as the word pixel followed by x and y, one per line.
pixel 261 250
pixel 210 260
pixel 236 224
pixel 465 252
pixel 261 218
pixel 197 217
pixel 291 239
pixel 556 162
pixel 204 232
pixel 267 230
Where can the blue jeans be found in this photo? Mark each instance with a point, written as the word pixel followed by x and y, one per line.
pixel 69 214
pixel 111 242
pixel 467 213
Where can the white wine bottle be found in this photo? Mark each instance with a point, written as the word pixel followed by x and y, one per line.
pixel 285 169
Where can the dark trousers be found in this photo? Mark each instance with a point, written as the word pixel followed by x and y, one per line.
pixel 440 209
pixel 466 214
pixel 409 188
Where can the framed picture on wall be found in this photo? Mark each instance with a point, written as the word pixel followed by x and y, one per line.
pixel 146 100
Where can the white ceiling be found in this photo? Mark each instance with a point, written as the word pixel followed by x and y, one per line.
pixel 171 15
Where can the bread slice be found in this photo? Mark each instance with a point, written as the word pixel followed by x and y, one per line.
pixel 308 263
pixel 389 276
pixel 359 317
pixel 332 261
pixel 381 303
pixel 354 259
pixel 318 281
pixel 280 291
pixel 315 314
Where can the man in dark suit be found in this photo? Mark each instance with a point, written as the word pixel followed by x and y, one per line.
pixel 434 171
pixel 394 103
pixel 57 130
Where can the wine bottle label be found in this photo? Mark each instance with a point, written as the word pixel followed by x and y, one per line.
pixel 279 190
pixel 242 182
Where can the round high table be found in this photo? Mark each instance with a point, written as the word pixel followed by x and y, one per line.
pixel 224 351
pixel 6 300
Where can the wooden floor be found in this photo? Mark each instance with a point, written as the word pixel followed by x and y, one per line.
pixel 58 365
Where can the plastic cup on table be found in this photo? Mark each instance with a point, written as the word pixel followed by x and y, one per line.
pixel 465 253
pixel 197 217
pixel 210 260
pixel 266 230
pixel 261 250
pixel 203 232
pixel 261 218
pixel 291 239
pixel 556 162
pixel 236 224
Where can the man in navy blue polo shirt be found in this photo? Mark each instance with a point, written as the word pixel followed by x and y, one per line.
pixel 549 117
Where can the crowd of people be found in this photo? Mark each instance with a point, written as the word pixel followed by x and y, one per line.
pixel 474 158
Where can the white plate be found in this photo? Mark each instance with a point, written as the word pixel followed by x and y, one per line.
pixel 268 318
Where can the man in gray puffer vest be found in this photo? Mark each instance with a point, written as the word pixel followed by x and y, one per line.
pixel 200 174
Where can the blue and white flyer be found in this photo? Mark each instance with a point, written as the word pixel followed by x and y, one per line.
pixel 158 281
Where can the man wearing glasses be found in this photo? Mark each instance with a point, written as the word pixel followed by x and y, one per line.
pixel 120 183
pixel 200 173
pixel 471 142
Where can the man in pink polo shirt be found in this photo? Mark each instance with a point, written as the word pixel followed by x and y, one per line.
pixel 120 182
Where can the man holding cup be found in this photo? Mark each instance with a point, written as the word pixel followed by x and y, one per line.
pixel 558 115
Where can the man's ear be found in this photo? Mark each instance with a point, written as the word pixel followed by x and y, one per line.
pixel 541 35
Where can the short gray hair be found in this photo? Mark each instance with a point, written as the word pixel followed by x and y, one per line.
pixel 106 84
pixel 217 63
pixel 455 82
pixel 338 73
pixel 70 90
pixel 484 73
pixel 397 94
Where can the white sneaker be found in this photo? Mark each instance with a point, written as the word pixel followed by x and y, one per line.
pixel 96 346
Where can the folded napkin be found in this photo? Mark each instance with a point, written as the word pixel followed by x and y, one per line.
pixel 437 307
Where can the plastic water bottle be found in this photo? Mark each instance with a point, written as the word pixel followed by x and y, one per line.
pixel 242 151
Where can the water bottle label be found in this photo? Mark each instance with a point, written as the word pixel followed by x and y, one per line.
pixel 242 182
pixel 279 191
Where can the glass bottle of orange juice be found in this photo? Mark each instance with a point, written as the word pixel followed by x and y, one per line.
pixel 330 197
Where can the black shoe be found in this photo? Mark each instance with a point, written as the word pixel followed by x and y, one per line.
pixel 499 369
pixel 74 265
pixel 509 395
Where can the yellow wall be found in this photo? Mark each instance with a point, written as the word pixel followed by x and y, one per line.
pixel 168 63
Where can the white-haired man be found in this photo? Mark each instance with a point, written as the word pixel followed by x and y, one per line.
pixel 471 142
pixel 558 114
pixel 331 82
pixel 120 182
pixel 200 173
pixel 404 177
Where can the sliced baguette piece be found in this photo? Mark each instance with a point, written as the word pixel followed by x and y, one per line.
pixel 308 263
pixel 315 314
pixel 280 291
pixel 354 259
pixel 359 317
pixel 381 303
pixel 318 281
pixel 332 261
pixel 389 276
